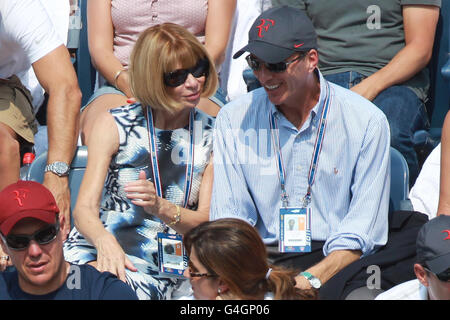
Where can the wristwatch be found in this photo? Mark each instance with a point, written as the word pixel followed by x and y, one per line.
pixel 315 282
pixel 59 168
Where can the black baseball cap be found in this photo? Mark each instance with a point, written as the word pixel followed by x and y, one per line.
pixel 433 244
pixel 279 32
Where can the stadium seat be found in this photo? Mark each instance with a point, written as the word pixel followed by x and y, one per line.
pixel 439 99
pixel 77 168
pixel 398 199
pixel 83 66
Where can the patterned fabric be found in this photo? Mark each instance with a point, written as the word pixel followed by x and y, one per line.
pixel 135 230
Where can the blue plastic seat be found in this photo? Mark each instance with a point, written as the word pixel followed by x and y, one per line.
pixel 399 194
pixel 77 168
pixel 439 99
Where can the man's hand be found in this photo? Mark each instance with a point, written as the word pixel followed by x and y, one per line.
pixel 302 283
pixel 5 260
pixel 59 187
pixel 366 89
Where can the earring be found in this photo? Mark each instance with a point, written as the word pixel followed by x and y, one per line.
pixel 219 291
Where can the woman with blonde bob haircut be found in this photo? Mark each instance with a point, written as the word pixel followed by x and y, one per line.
pixel 178 48
pixel 228 260
pixel 153 162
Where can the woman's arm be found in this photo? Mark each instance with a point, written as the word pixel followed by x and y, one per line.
pixel 103 143
pixel 100 39
pixel 218 26
pixel 142 192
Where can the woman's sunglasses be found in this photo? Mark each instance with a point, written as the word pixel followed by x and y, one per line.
pixel 178 77
pixel 193 274
pixel 255 63
pixel 42 236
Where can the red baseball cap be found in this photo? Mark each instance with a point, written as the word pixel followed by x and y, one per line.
pixel 26 199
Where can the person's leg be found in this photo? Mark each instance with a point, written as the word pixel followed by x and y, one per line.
pixel 298 261
pixel 406 114
pixel 17 128
pixel 9 156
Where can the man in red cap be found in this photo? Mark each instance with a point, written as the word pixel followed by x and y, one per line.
pixel 31 233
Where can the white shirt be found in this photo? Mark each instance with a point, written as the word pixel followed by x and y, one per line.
pixel 410 290
pixel 424 194
pixel 231 79
pixel 26 35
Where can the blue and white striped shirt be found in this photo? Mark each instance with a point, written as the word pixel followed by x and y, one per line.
pixel 350 195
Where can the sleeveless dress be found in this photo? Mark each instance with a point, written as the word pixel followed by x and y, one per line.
pixel 135 230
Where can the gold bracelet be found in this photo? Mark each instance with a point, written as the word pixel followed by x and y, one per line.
pixel 117 76
pixel 176 217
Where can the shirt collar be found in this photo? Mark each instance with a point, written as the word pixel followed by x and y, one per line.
pixel 317 109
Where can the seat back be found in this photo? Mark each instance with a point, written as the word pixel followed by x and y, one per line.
pixel 398 199
pixel 77 168
pixel 85 71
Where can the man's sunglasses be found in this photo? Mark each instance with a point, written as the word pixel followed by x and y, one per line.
pixel 42 236
pixel 255 64
pixel 178 77
pixel 443 276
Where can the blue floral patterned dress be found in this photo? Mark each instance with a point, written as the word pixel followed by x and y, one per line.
pixel 135 230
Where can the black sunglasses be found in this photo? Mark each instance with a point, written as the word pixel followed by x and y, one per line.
pixel 443 276
pixel 255 63
pixel 178 77
pixel 199 275
pixel 42 236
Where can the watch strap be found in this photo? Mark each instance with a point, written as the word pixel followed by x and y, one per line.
pixel 312 279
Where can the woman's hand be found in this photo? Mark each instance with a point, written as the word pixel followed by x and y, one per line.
pixel 111 257
pixel 142 193
pixel 5 260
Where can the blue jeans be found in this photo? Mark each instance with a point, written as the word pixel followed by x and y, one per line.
pixel 404 111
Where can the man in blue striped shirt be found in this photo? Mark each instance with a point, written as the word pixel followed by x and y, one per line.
pixel 268 144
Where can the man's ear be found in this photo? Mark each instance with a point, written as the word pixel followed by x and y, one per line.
pixel 313 58
pixel 421 274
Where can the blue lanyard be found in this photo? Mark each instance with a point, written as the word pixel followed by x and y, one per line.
pixel 154 157
pixel 316 153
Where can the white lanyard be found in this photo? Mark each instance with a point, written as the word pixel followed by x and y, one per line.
pixel 316 153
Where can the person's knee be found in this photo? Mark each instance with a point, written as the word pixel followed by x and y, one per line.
pixel 9 146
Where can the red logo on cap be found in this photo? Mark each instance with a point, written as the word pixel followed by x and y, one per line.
pixel 264 26
pixel 20 195
pixel 448 234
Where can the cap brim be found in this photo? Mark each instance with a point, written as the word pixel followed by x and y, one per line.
pixel 440 264
pixel 265 51
pixel 45 216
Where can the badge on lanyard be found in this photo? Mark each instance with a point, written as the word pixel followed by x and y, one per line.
pixel 172 257
pixel 295 222
pixel 295 230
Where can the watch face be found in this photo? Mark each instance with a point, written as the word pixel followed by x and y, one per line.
pixel 315 283
pixel 60 167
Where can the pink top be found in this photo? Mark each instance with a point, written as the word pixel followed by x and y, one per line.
pixel 130 18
